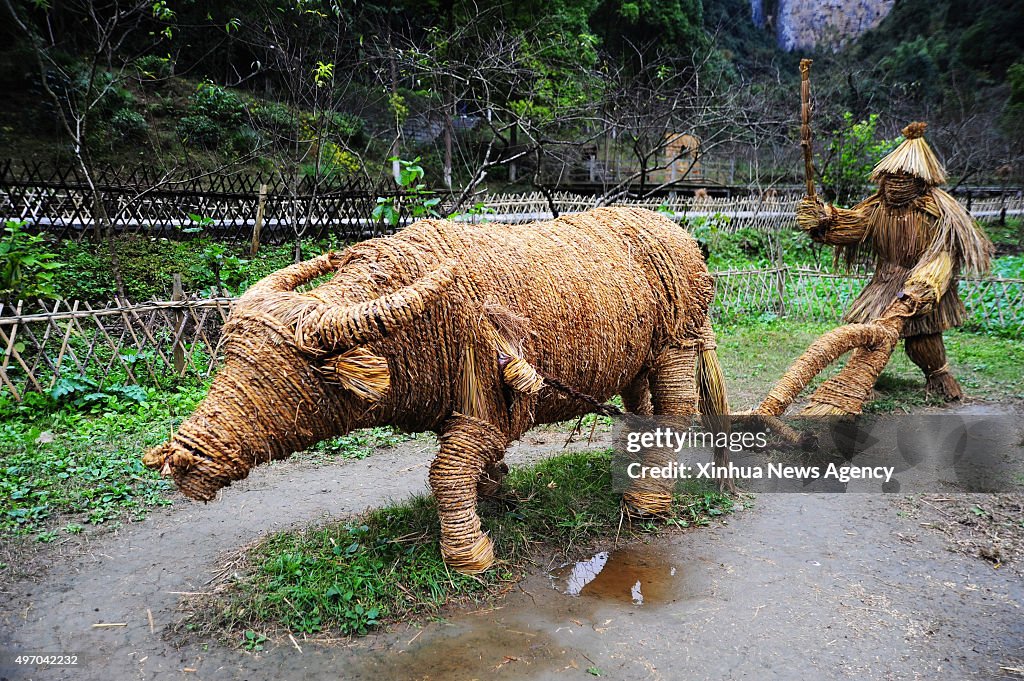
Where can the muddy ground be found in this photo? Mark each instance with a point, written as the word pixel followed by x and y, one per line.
pixel 794 586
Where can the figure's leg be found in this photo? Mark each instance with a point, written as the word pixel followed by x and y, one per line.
pixel 468 447
pixel 673 386
pixel 929 353
pixel 674 381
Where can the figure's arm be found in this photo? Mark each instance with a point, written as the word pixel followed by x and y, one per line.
pixel 830 225
pixel 928 282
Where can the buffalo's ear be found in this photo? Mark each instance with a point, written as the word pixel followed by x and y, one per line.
pixel 360 371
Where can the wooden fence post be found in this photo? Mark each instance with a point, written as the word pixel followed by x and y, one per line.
pixel 178 294
pixel 258 225
pixel 780 275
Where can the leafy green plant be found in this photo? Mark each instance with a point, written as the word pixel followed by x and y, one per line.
pixel 200 131
pixel 84 393
pixel 665 210
pixel 153 67
pixel 347 126
pixel 129 124
pixel 26 264
pixel 224 270
pixel 478 208
pixel 58 459
pixel 358 444
pixel 46 537
pixel 275 117
pixel 216 103
pixel 214 114
pixel 851 153
pixel 415 199
pixel 253 641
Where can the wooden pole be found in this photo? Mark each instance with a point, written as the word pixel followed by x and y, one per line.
pixel 805 124
pixel 178 294
pixel 257 227
pixel 780 275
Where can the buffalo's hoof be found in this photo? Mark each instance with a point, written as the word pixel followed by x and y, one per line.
pixel 469 559
pixel 642 505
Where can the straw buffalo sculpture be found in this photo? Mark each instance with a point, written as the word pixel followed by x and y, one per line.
pixel 473 332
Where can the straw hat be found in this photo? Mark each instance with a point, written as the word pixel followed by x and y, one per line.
pixel 913 157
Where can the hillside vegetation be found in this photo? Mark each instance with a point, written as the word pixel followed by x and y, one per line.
pixel 495 93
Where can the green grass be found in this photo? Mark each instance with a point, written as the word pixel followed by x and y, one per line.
pixel 1009 236
pixel 385 566
pixel 148 265
pixel 356 445
pixel 59 464
pixel 754 355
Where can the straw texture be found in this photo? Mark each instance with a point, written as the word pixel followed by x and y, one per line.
pixel 913 157
pixel 475 332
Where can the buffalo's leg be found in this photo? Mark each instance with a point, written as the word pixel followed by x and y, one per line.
pixel 636 397
pixel 673 386
pixel 929 352
pixel 490 480
pixel 468 447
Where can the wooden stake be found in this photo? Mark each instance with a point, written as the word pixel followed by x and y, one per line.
pixel 257 228
pixel 63 345
pixel 178 294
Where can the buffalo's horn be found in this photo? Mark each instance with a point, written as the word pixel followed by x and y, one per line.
pixel 324 328
pixel 293 276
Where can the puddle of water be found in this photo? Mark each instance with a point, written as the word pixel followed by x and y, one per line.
pixel 473 649
pixel 641 575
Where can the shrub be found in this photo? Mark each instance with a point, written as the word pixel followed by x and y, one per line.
pixel 153 67
pixel 26 264
pixel 245 140
pixel 276 118
pixel 217 104
pixel 852 152
pixel 200 131
pixel 348 127
pixel 130 125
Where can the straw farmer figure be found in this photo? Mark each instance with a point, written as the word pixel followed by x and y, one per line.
pixel 922 240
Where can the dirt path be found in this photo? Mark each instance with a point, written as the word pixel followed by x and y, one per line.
pixel 799 586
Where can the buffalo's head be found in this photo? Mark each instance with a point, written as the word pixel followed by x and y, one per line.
pixel 297 369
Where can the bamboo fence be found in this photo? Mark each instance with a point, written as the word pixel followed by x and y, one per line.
pixel 234 207
pixel 226 207
pixel 148 343
pixel 158 342
pixel 766 213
